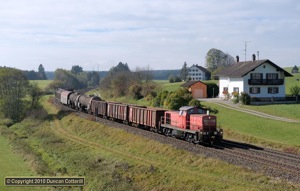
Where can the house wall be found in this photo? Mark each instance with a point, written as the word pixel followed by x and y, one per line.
pixel 264 69
pixel 230 84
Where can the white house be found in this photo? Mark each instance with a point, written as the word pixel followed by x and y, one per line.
pixel 197 72
pixel 258 78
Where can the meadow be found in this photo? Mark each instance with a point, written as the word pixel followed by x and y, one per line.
pixel 41 83
pixel 291 81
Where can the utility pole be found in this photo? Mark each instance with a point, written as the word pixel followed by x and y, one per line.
pixel 245 50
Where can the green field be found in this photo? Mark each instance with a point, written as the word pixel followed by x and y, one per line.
pixel 291 81
pixel 41 83
pixel 169 86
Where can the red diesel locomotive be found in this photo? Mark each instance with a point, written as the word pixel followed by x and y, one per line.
pixel 192 124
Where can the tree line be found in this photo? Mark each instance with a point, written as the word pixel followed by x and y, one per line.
pixel 33 75
pixel 75 79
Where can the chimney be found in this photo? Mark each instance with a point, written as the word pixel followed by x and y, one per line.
pixel 253 57
pixel 237 58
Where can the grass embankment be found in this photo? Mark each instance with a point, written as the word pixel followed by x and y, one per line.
pixel 291 111
pixel 12 164
pixel 112 159
pixel 257 130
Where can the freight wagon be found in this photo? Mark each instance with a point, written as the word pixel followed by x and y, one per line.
pixel 192 124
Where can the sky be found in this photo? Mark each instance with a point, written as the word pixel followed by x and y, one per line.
pixel 155 34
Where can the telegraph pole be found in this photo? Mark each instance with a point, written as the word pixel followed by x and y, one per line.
pixel 245 50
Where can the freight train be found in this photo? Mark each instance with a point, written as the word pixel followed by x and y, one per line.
pixel 190 123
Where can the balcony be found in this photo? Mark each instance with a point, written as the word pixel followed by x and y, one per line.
pixel 265 81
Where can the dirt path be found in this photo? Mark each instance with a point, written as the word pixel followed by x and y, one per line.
pixel 229 105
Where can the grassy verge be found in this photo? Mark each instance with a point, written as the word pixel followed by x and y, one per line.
pixel 12 164
pixel 256 130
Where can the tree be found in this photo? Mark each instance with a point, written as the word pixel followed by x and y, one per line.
pixel 144 73
pixel 120 83
pixel 68 80
pixel 216 59
pixel 35 94
pixel 184 72
pixel 41 73
pixel 76 69
pixel 94 79
pixel 121 67
pixel 13 88
pixel 31 75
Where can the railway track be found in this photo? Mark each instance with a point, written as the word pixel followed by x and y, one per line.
pixel 284 166
pixel 270 162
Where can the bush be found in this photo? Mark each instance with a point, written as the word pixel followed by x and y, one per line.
pixel 135 91
pixel 295 90
pixel 236 97
pixel 177 99
pixel 195 103
pixel 158 101
pixel 149 89
pixel 171 79
pixel 177 79
pixel 245 98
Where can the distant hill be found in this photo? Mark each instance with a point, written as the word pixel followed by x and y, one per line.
pixel 157 74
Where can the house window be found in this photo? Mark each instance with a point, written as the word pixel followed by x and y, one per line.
pixel 254 90
pixel 256 76
pixel 272 76
pixel 273 90
pixel 236 89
